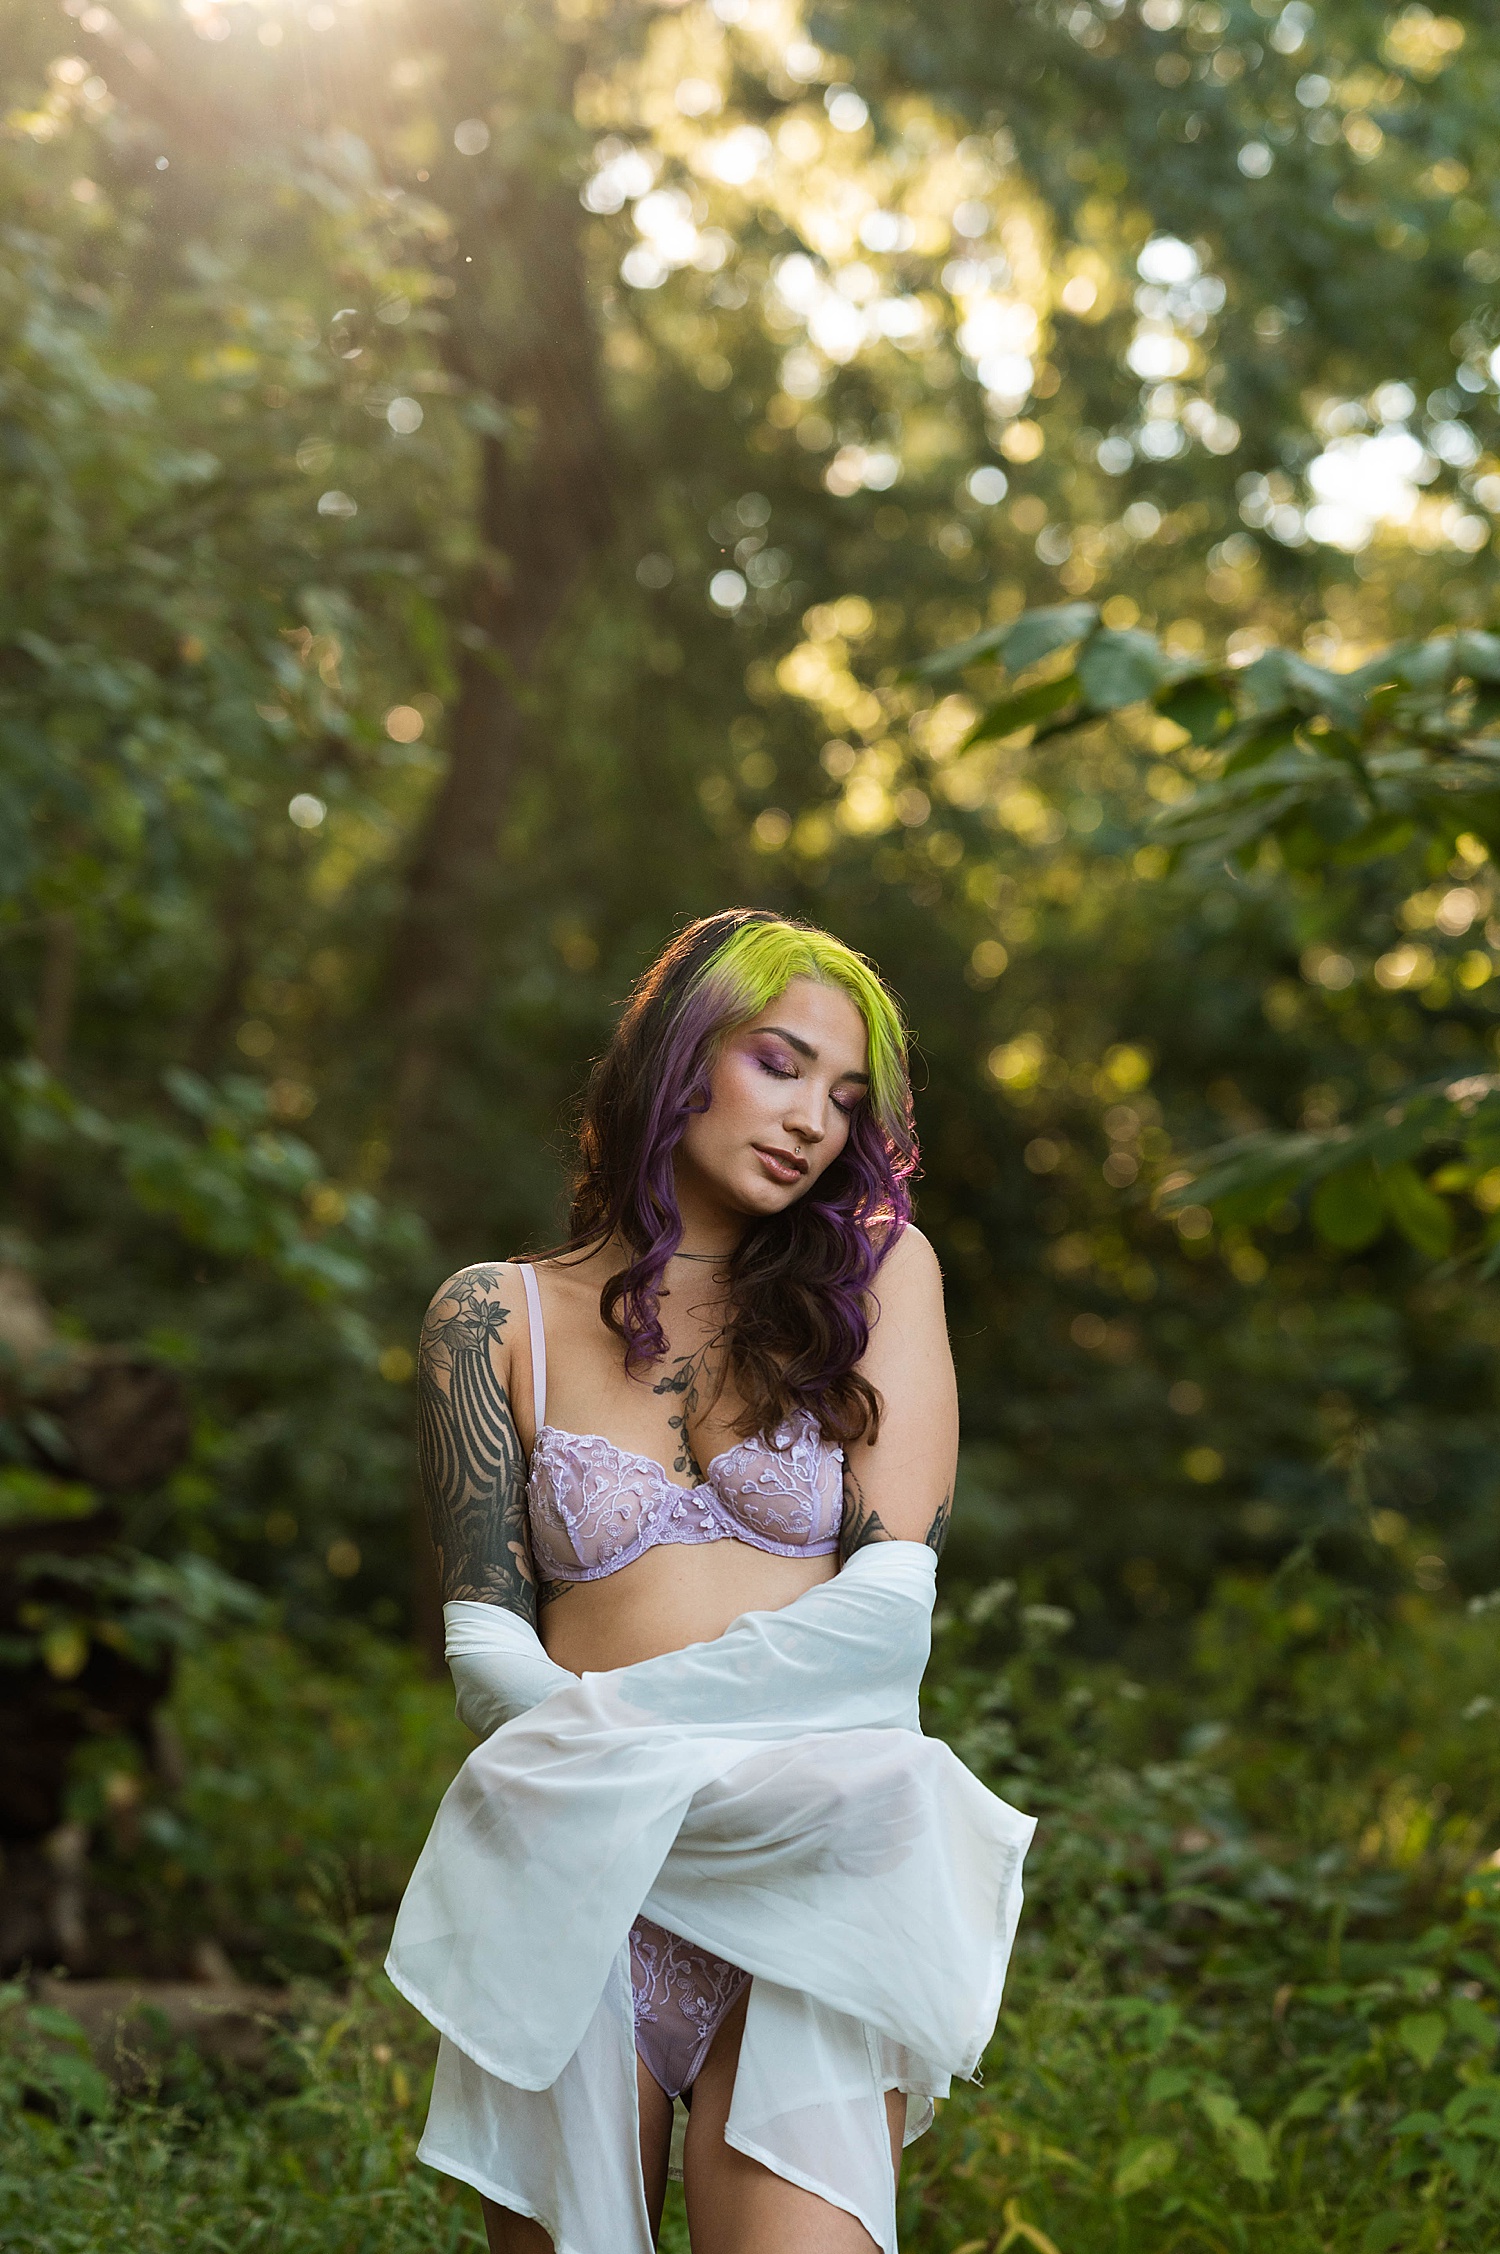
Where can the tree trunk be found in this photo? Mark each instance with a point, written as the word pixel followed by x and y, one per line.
pixel 544 517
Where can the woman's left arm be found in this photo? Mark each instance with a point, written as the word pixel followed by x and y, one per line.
pixel 899 1488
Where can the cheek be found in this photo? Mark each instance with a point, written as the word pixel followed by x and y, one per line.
pixel 736 1111
pixel 741 1093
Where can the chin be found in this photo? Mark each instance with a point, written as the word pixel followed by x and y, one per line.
pixel 758 1199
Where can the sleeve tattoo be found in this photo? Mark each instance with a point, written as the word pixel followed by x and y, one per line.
pixel 862 1525
pixel 473 1470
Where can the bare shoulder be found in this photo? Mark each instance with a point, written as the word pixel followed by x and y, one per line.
pixel 909 1279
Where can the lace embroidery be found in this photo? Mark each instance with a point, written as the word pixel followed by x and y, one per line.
pixel 595 1507
pixel 681 1995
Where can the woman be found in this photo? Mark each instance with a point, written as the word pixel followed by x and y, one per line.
pixel 692 1418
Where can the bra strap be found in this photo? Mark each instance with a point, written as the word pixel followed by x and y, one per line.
pixel 538 1344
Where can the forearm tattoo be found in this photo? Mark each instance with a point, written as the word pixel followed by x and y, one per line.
pixel 860 1524
pixel 473 1469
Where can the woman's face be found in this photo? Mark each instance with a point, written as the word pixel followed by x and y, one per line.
pixel 781 1099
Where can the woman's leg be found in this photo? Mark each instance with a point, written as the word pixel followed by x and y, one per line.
pixel 735 2206
pixel 517 2234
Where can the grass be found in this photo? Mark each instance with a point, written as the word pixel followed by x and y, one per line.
pixel 1254 2005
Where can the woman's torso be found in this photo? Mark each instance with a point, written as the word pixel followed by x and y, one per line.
pixel 642 1483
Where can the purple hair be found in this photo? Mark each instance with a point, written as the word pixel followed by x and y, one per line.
pixel 797 1325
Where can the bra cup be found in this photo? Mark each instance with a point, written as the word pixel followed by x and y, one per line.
pixel 786 1490
pixel 595 1507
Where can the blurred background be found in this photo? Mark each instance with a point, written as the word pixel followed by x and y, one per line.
pixel 1014 482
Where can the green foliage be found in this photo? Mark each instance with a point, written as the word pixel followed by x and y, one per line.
pixel 1303 768
pixel 217 1103
pixel 310 1789
pixel 1257 1987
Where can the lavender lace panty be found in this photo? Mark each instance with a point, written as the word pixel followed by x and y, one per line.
pixel 682 1996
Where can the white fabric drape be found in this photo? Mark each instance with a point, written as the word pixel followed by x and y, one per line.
pixel 769 1796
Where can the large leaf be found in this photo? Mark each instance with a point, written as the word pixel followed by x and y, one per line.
pixel 1423 2034
pixel 1019 643
pixel 1248 2146
pixel 943 663
pixel 1347 1208
pixel 1282 677
pixel 1037 633
pixel 1254 748
pixel 1202 704
pixel 1117 668
pixel 1423 1218
pixel 1144 2161
pixel 1478 655
pixel 1011 713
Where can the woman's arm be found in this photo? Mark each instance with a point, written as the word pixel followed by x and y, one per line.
pixel 900 1488
pixel 472 1464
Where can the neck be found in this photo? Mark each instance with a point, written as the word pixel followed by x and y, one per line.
pixel 710 1231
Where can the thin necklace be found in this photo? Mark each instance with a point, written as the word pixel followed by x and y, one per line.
pixel 723 1256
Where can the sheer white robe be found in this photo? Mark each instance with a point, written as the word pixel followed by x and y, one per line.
pixel 769 1796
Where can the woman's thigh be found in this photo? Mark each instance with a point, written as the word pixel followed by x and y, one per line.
pixel 517 2234
pixel 735 2206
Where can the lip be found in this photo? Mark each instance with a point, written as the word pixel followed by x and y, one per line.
pixel 780 1164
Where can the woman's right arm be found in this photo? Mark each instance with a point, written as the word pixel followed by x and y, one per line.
pixel 472 1465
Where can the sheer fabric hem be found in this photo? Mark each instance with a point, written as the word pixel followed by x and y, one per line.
pixel 511 2201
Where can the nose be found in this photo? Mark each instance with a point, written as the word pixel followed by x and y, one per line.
pixel 801 1121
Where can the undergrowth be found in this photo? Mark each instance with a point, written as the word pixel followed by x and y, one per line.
pixel 1255 2003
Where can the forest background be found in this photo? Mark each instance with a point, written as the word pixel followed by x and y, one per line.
pixel 483 484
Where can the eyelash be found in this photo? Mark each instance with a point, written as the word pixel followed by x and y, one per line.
pixel 766 1065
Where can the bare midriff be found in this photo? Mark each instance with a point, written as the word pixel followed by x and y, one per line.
pixel 677 1594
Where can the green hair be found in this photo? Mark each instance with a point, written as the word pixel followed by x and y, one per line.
pixel 759 961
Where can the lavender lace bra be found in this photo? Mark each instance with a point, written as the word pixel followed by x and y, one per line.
pixel 594 1507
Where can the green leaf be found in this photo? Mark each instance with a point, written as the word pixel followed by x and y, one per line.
pixel 1281 678
pixel 1419 2124
pixel 1019 643
pixel 1424 1219
pixel 1478 655
pixel 954 659
pixel 1382 2234
pixel 1249 2149
pixel 1466 2017
pixel 1143 2162
pixel 1219 2107
pixel 1032 704
pixel 1201 704
pixel 1386 833
pixel 1116 668
pixel 79 2082
pixel 1348 1209
pixel 1037 633
pixel 60 2025
pixel 1422 2033
pixel 1263 743
pixel 1166 2083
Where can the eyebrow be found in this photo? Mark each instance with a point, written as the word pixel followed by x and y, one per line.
pixel 806 1049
